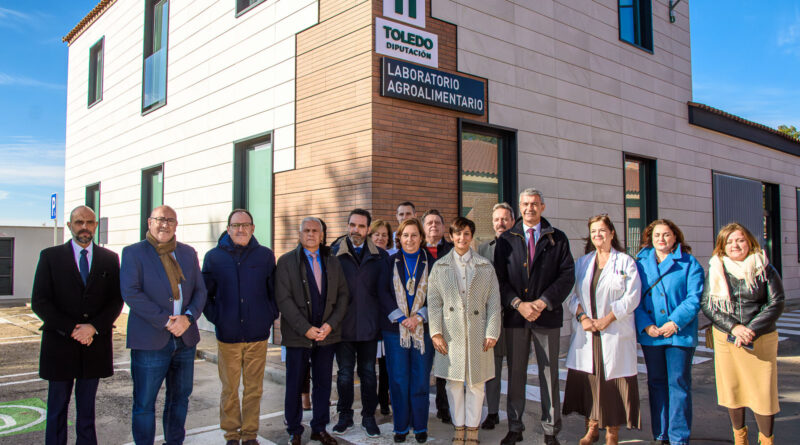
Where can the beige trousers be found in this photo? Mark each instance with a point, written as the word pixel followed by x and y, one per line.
pixel 245 361
pixel 466 403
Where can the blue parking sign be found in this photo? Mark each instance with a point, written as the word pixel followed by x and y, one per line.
pixel 53 206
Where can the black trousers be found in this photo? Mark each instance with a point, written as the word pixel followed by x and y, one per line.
pixel 441 395
pixel 298 360
pixel 58 395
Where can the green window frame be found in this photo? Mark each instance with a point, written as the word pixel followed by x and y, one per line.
pixel 93 202
pixel 636 23
pixel 640 198
pixel 244 6
pixel 253 183
pixel 152 193
pixel 95 88
pixel 6 266
pixel 154 65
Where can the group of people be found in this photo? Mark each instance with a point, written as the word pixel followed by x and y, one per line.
pixel 427 306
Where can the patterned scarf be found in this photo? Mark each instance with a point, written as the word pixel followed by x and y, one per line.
pixel 406 336
pixel 749 270
pixel 171 266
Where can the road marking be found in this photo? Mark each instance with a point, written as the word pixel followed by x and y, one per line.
pixel 788 331
pixel 18 375
pixel 20 382
pixel 211 428
pixel 17 342
pixel 4 321
pixel 17 338
pixel 22 416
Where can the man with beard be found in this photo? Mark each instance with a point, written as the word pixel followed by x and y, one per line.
pixel 502 220
pixel 76 294
pixel 366 270
pixel 161 282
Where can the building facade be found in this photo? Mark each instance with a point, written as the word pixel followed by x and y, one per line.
pixel 314 107
pixel 19 255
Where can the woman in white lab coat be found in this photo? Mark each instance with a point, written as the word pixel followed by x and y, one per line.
pixel 602 365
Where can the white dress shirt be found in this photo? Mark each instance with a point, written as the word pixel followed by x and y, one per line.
pixel 465 269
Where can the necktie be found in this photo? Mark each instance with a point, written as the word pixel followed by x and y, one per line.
pixel 358 251
pixel 531 247
pixel 83 266
pixel 317 271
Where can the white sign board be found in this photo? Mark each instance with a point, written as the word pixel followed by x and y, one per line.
pixel 408 11
pixel 407 43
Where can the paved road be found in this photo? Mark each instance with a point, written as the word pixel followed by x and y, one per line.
pixel 22 397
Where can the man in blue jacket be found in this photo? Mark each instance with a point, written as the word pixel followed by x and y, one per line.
pixel 238 276
pixel 366 270
pixel 161 282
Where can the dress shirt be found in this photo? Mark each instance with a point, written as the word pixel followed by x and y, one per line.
pixel 465 269
pixel 537 231
pixel 76 251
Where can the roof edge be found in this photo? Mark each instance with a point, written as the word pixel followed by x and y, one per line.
pixel 85 22
pixel 718 120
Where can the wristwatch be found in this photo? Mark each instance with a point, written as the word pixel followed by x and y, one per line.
pixel 190 317
pixel 516 305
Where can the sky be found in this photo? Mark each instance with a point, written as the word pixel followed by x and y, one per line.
pixel 745 60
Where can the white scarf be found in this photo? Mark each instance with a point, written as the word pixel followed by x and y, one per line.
pixel 749 270
pixel 406 335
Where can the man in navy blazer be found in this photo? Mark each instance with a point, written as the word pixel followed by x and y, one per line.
pixel 161 283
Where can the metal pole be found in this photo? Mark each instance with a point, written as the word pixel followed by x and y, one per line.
pixel 55 231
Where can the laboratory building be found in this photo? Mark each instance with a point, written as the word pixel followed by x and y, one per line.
pixel 293 108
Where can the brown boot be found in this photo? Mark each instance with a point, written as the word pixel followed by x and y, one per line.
pixel 472 436
pixel 612 435
pixel 740 436
pixel 458 435
pixel 592 433
pixel 764 440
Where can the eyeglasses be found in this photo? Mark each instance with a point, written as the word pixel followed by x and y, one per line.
pixel 237 226
pixel 165 221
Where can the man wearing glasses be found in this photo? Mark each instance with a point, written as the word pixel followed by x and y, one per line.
pixel 161 282
pixel 76 294
pixel 238 274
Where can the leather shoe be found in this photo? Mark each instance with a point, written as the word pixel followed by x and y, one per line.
pixel 551 440
pixel 491 421
pixel 421 437
pixel 511 438
pixel 295 439
pixel 400 438
pixel 324 438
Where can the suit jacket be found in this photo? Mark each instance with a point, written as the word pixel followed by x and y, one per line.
pixel 294 299
pixel 62 301
pixel 550 279
pixel 146 289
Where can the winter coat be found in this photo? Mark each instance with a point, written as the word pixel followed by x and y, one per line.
pixel 675 298
pixel 368 277
pixel 618 291
pixel 239 282
pixel 294 300
pixel 550 280
pixel 464 321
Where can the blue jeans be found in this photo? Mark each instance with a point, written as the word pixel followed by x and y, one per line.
pixel 175 364
pixel 409 382
pixel 669 379
pixel 348 354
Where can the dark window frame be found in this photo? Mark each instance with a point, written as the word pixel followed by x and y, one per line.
pixel 642 24
pixel 89 202
pixel 650 197
pixel 11 276
pixel 147 51
pixel 239 201
pixel 242 6
pixel 94 76
pixel 507 159
pixel 146 197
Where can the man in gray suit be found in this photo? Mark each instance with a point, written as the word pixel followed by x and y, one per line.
pixel 502 220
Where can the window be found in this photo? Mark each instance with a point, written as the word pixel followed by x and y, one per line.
pixel 93 202
pixel 243 6
pixel 152 193
pixel 753 204
pixel 96 72
pixel 252 183
pixel 6 266
pixel 487 173
pixel 640 199
pixel 154 85
pixel 636 23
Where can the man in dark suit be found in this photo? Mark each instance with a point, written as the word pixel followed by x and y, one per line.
pixel 161 282
pixel 76 294
pixel 312 296
pixel 536 272
pixel 502 220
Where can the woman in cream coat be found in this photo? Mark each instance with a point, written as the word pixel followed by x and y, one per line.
pixel 602 365
pixel 464 310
